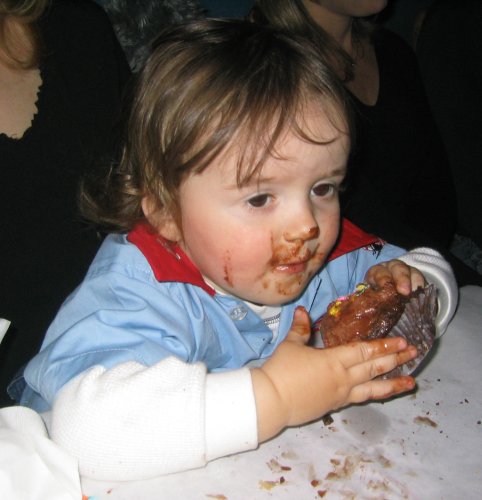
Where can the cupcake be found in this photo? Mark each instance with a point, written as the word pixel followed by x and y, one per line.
pixel 371 313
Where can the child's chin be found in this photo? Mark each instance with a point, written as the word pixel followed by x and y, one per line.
pixel 281 298
pixel 275 293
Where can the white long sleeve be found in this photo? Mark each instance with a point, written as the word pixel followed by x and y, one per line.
pixel 437 271
pixel 135 422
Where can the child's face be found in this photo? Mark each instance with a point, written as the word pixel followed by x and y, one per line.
pixel 264 241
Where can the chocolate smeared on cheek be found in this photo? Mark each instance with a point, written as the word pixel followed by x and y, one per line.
pixel 227 269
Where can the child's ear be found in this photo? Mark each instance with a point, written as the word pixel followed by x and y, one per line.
pixel 161 219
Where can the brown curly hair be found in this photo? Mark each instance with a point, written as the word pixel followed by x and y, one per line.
pixel 209 85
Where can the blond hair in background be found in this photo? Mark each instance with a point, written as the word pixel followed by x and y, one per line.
pixel 20 44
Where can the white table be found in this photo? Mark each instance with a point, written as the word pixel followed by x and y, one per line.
pixel 426 445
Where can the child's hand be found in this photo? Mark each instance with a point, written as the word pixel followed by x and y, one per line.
pixel 405 277
pixel 301 383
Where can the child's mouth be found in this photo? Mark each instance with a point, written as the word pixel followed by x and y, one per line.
pixel 293 262
pixel 293 268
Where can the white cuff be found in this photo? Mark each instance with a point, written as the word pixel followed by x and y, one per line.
pixel 231 421
pixel 437 271
pixel 133 422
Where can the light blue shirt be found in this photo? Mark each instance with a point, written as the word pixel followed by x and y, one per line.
pixel 121 313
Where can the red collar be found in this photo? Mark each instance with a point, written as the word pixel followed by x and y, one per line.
pixel 352 238
pixel 167 260
pixel 170 263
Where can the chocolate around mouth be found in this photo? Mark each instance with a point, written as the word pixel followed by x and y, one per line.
pixel 288 260
pixel 292 264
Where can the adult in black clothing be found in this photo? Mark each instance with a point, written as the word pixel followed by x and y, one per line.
pixel 137 24
pixel 400 186
pixel 401 182
pixel 227 8
pixel 449 50
pixel 59 110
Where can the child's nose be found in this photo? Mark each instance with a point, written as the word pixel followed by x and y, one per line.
pixel 303 227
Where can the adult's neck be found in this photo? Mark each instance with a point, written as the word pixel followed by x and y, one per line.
pixel 339 26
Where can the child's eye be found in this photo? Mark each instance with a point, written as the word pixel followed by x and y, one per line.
pixel 260 200
pixel 323 190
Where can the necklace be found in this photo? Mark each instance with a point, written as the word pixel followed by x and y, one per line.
pixel 356 52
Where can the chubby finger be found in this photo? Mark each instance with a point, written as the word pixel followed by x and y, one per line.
pixel 417 278
pixel 300 330
pixel 378 366
pixel 394 270
pixel 379 275
pixel 392 345
pixel 381 388
pixel 402 276
pixel 356 353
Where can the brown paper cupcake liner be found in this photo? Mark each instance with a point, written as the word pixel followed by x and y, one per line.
pixel 417 326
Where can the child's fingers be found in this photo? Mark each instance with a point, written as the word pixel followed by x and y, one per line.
pixel 382 348
pixel 367 360
pixel 372 368
pixel 300 330
pixel 402 277
pixel 379 275
pixel 381 389
pixel 417 278
pixel 393 270
pixel 406 278
pixel 356 353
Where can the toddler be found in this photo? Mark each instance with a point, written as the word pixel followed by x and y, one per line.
pixel 187 339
